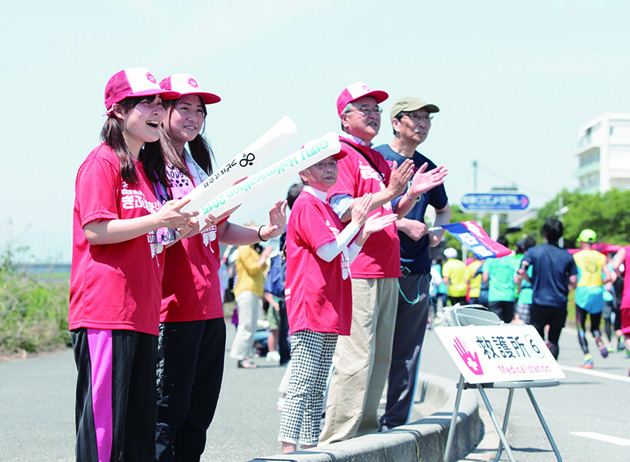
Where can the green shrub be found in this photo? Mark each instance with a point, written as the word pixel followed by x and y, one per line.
pixel 33 315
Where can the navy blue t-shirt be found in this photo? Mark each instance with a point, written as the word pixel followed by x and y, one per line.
pixel 551 268
pixel 415 254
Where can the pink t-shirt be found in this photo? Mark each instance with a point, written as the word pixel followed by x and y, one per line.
pixel 318 294
pixel 191 289
pixel 625 298
pixel 114 286
pixel 380 256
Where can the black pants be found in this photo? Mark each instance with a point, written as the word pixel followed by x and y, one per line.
pixel 504 310
pixel 555 317
pixel 190 372
pixel 115 394
pixel 580 321
pixel 284 345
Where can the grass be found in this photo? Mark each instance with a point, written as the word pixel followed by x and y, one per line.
pixel 33 312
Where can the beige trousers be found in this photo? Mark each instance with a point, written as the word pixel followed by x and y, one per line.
pixel 361 361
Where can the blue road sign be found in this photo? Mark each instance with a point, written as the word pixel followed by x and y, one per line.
pixel 493 202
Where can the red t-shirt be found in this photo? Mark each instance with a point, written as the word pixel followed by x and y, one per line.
pixel 625 298
pixel 380 256
pixel 191 290
pixel 114 286
pixel 318 294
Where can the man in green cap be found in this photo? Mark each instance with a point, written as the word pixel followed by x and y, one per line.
pixel 411 122
pixel 589 294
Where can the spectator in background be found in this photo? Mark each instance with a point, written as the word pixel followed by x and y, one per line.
pixel 553 274
pixel 454 276
pixel 251 264
pixel 274 290
pixel 498 274
pixel 440 288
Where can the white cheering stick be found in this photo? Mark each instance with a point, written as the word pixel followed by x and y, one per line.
pixel 312 152
pixel 238 167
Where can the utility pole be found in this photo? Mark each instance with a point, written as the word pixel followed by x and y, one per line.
pixel 562 209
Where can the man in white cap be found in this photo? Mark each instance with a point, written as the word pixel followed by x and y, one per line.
pixel 362 359
pixel 411 122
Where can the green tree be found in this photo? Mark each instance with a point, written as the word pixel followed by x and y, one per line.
pixel 607 214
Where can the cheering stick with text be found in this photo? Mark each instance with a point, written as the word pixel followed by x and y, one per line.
pixel 312 152
pixel 240 165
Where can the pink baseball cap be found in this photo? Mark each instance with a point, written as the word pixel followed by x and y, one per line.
pixel 185 84
pixel 356 91
pixel 135 81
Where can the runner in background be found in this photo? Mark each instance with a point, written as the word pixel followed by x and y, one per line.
pixel 589 294
pixel 454 276
pixel 553 274
pixel 498 274
pixel 524 287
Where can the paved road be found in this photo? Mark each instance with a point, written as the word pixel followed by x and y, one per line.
pixel 587 413
pixel 37 409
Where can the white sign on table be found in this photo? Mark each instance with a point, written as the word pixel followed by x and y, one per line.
pixel 505 353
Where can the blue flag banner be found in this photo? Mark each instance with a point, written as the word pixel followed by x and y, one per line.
pixel 475 238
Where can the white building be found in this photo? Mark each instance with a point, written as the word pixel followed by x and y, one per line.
pixel 604 154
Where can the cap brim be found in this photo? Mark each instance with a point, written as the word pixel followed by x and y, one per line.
pixel 340 155
pixel 208 98
pixel 378 95
pixel 431 108
pixel 165 94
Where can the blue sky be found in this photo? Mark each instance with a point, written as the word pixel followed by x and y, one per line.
pixel 514 81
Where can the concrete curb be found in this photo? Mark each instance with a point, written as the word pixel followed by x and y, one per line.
pixel 424 440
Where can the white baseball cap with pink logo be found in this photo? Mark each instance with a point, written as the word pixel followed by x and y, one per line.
pixel 185 84
pixel 135 81
pixel 356 91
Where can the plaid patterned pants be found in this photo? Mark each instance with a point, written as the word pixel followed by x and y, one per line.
pixel 311 358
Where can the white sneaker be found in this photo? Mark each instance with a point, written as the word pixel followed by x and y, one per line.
pixel 273 356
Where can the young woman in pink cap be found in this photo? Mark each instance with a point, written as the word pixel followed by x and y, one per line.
pixel 192 330
pixel 116 273
pixel 318 295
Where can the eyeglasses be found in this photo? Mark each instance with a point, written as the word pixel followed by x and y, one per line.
pixel 325 164
pixel 367 110
pixel 418 117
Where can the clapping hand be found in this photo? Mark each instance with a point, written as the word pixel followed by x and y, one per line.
pixel 377 223
pixel 361 209
pixel 400 177
pixel 423 181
